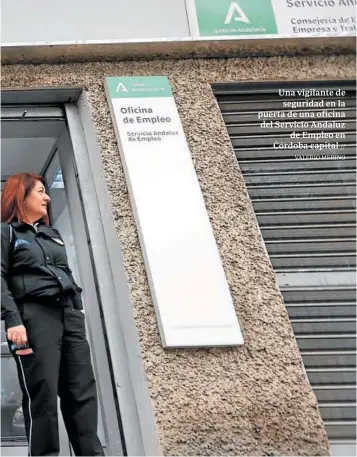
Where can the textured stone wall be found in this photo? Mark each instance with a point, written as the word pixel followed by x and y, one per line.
pixel 252 400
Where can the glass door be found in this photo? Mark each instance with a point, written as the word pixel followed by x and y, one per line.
pixel 59 211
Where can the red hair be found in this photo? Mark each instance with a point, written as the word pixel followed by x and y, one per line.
pixel 16 189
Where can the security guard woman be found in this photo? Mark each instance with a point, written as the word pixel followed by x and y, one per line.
pixel 41 305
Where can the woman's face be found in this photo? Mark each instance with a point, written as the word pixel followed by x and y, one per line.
pixel 36 203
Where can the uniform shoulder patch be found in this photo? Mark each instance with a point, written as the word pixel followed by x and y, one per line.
pixel 20 242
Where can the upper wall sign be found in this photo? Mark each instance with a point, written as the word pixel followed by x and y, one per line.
pixel 90 22
pixel 279 18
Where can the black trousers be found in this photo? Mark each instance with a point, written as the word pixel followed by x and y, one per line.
pixel 60 366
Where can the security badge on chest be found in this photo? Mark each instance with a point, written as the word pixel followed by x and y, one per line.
pixel 58 241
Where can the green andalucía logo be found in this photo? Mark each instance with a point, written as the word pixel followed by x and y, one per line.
pixel 138 86
pixel 241 17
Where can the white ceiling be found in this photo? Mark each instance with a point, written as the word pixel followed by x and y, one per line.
pixel 25 146
pixel 24 154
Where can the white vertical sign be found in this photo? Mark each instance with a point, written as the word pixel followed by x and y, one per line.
pixel 187 281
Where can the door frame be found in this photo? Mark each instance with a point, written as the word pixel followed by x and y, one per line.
pixel 62 151
pixel 129 385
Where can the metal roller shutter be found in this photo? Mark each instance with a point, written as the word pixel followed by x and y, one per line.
pixel 306 210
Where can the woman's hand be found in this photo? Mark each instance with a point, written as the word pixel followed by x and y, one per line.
pixel 17 334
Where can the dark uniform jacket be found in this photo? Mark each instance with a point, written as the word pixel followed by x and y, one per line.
pixel 34 268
